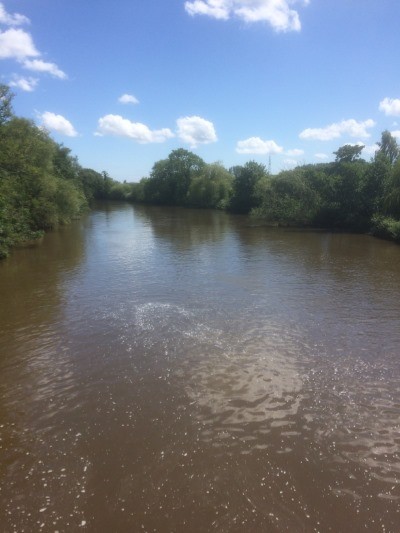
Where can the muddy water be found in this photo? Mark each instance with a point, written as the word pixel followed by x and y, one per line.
pixel 170 370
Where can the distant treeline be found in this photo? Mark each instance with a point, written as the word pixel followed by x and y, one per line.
pixel 42 185
pixel 348 194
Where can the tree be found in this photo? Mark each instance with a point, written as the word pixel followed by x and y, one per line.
pixel 244 186
pixel 41 184
pixel 92 183
pixel 65 165
pixel 392 197
pixel 348 153
pixel 6 97
pixel 107 183
pixel 34 194
pixel 388 147
pixel 377 181
pixel 182 167
pixel 212 188
pixel 170 178
pixel 288 199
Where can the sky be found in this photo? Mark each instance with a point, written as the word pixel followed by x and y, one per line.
pixel 280 82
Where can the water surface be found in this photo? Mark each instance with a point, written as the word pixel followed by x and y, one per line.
pixel 171 370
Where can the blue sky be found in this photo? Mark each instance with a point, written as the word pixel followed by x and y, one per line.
pixel 123 83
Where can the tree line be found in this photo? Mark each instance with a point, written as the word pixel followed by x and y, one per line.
pixel 42 185
pixel 348 194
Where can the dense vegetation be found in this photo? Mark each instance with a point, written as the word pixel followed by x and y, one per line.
pixel 42 185
pixel 347 194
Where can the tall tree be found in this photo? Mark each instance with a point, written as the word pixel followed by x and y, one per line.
pixel 212 188
pixel 6 110
pixel 170 178
pixel 392 197
pixel 245 182
pixel 388 147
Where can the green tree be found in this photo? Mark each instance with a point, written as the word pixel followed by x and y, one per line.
pixel 391 202
pixel 288 199
pixel 66 165
pixel 41 182
pixel 183 165
pixel 170 178
pixel 245 181
pixel 6 110
pixel 92 183
pixel 107 184
pixel 388 147
pixel 377 181
pixel 348 153
pixel 212 188
pixel 350 195
pixel 34 194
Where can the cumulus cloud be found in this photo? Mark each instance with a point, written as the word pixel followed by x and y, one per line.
pixel 334 131
pixel 9 19
pixel 290 163
pixel 321 156
pixel 295 152
pixel 118 126
pixel 25 84
pixel 58 123
pixel 277 13
pixel 390 106
pixel 196 130
pixel 218 9
pixel 38 65
pixel 396 134
pixel 128 99
pixel 16 44
pixel 255 145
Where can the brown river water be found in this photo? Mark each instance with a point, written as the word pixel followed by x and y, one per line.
pixel 171 370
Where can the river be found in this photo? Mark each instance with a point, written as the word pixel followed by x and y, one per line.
pixel 172 370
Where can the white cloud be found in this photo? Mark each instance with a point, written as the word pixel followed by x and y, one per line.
pixel 255 145
pixel 16 44
pixel 26 84
pixel 295 152
pixel 334 131
pixel 37 65
pixel 277 13
pixel 11 20
pixel 196 130
pixel 290 162
pixel 321 156
pixel 218 9
pixel 369 149
pixel 121 127
pixel 128 99
pixel 390 106
pixel 57 123
pixel 396 134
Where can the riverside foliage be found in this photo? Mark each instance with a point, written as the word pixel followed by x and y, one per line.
pixel 347 194
pixel 42 185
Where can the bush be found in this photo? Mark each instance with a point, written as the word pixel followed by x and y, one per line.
pixel 386 228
